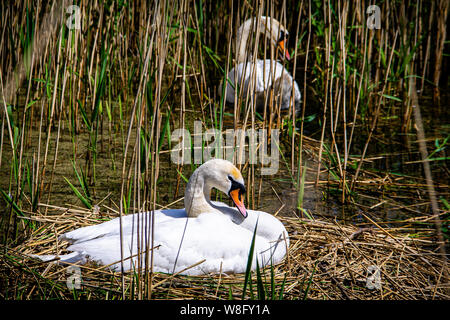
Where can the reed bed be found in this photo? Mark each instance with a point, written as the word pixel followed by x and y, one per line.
pixel 92 91
pixel 326 260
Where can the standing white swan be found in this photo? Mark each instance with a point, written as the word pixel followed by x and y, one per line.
pixel 266 73
pixel 205 230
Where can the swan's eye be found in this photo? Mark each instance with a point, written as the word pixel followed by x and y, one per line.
pixel 283 36
pixel 237 186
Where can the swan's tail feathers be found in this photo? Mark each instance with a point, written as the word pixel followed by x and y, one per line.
pixel 70 258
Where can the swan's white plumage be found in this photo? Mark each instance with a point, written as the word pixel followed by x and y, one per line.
pixel 220 236
pixel 211 236
pixel 264 73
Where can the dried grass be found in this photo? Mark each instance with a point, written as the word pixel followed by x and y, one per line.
pixel 326 260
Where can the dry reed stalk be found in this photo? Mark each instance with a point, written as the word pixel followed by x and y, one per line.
pixel 355 113
pixel 442 13
pixel 26 104
pixel 427 51
pixel 292 111
pixel 343 44
pixel 428 175
pixel 328 66
pixel 51 115
pixel 163 49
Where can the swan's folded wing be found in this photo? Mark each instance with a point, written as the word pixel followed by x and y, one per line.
pixel 112 227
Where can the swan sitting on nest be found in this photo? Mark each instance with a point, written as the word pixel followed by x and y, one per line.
pixel 205 231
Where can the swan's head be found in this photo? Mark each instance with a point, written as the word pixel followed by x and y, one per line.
pixel 219 174
pixel 224 176
pixel 271 28
pixel 277 34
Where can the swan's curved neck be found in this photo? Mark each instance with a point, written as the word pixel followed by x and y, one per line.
pixel 243 34
pixel 197 198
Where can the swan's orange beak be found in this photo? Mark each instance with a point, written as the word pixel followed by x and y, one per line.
pixel 281 45
pixel 238 200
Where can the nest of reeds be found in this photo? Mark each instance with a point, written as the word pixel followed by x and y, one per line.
pixel 326 260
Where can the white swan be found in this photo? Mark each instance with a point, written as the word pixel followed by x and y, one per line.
pixel 268 73
pixel 205 230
